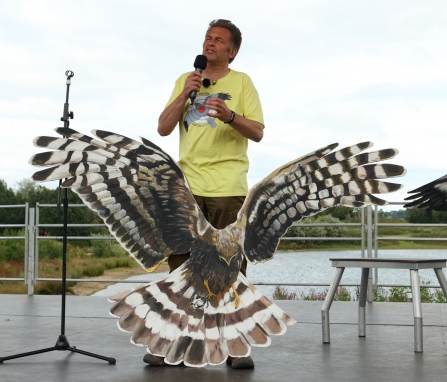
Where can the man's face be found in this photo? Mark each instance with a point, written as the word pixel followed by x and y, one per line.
pixel 217 46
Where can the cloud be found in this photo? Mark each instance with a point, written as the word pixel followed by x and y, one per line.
pixel 326 71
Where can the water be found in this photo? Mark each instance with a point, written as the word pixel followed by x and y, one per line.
pixel 312 267
pixel 315 267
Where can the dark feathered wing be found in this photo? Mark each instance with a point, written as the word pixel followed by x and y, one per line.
pixel 311 184
pixel 137 189
pixel 432 195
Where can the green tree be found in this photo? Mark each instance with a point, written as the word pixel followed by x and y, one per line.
pixel 340 212
pixel 33 193
pixel 419 215
pixel 395 215
pixel 439 217
pixel 10 215
pixel 329 231
pixel 424 215
pixel 83 215
pixel 24 187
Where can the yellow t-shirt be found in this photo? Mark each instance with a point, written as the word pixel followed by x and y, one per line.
pixel 213 155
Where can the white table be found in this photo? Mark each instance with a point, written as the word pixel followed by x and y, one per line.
pixel 366 264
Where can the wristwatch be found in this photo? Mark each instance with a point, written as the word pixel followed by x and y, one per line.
pixel 233 114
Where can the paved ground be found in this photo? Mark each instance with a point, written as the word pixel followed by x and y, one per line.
pixel 386 354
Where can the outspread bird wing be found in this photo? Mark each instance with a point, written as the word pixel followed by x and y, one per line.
pixel 143 197
pixel 432 195
pixel 137 189
pixel 311 184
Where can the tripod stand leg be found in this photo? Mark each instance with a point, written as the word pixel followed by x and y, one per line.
pixel 61 344
pixel 110 360
pixel 27 354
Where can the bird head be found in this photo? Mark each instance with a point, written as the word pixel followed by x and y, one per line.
pixel 228 244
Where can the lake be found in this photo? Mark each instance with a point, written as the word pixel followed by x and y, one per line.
pixel 312 267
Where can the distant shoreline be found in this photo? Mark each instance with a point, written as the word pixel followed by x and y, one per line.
pixel 411 245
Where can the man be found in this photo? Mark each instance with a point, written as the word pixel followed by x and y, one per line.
pixel 214 134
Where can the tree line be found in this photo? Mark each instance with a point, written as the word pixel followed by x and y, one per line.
pixel 30 192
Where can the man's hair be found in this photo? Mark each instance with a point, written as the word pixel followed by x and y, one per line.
pixel 236 35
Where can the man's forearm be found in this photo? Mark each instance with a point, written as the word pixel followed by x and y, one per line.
pixel 246 127
pixel 249 129
pixel 171 115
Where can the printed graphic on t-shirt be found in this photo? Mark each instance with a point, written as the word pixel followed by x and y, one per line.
pixel 196 114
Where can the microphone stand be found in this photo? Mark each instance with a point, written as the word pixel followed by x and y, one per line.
pixel 62 341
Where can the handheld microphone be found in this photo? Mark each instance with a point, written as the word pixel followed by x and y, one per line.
pixel 200 66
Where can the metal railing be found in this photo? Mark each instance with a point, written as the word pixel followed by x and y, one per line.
pixel 368 239
pixel 26 238
pixel 60 225
pixel 374 282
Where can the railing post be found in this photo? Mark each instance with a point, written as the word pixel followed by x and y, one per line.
pixel 31 238
pixel 370 230
pixel 376 228
pixel 363 227
pixel 25 270
pixel 36 247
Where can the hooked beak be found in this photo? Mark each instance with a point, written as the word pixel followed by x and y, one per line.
pixel 227 261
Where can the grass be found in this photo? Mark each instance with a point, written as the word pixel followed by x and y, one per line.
pixel 106 248
pixel 381 294
pixel 81 262
pixel 281 293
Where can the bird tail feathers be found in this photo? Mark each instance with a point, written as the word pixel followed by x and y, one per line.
pixel 174 319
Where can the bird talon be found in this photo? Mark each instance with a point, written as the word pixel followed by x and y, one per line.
pixel 236 296
pixel 210 294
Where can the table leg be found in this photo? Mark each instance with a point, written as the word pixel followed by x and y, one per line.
pixel 442 281
pixel 327 305
pixel 417 310
pixel 362 301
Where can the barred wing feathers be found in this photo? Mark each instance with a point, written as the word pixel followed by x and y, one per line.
pixel 309 185
pixel 432 195
pixel 137 189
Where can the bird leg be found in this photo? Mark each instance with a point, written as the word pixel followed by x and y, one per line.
pixel 236 296
pixel 210 294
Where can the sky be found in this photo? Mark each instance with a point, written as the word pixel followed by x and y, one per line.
pixel 326 71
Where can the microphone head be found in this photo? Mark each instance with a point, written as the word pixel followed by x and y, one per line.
pixel 200 62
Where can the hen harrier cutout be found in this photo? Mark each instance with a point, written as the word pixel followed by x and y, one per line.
pixel 206 310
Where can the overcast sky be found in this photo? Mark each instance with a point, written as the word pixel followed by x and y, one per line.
pixel 326 71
